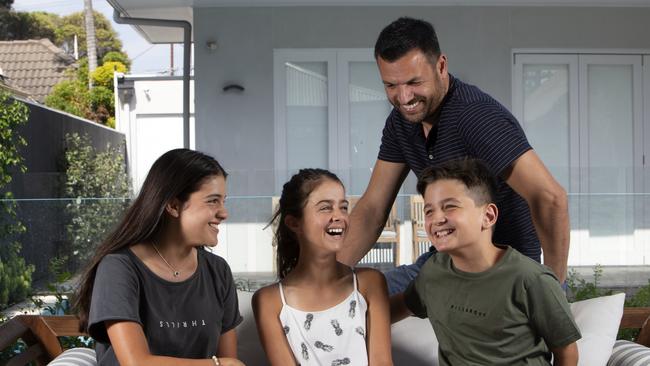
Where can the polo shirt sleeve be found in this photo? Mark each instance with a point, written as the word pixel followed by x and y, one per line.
pixel 492 134
pixel 231 316
pixel 413 300
pixel 549 311
pixel 116 293
pixel 389 150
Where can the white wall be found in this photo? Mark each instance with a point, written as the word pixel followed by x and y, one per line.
pixel 152 121
pixel 238 128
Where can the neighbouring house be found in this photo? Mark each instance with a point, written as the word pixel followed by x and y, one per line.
pixel 575 73
pixel 6 86
pixel 35 66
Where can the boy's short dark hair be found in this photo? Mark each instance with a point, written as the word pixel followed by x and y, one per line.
pixel 472 172
pixel 404 35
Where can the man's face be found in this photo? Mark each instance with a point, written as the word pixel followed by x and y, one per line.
pixel 413 85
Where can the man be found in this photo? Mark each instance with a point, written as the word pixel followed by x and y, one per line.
pixel 436 118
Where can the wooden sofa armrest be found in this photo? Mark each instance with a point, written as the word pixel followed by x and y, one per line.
pixel 40 333
pixel 637 318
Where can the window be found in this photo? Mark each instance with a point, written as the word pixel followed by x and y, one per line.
pixel 330 109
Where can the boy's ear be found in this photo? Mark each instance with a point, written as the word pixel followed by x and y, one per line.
pixel 490 216
pixel 293 223
pixel 174 207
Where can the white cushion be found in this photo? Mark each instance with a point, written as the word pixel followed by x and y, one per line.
pixel 628 353
pixel 414 342
pixel 75 357
pixel 598 320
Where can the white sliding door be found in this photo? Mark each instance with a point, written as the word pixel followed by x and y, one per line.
pixel 330 109
pixel 612 153
pixel 583 114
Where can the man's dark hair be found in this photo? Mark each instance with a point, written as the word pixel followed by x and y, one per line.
pixel 404 35
pixel 473 173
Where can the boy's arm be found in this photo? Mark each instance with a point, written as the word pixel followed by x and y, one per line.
pixel 398 308
pixel 565 356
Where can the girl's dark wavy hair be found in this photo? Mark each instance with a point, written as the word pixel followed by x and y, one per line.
pixel 292 201
pixel 176 174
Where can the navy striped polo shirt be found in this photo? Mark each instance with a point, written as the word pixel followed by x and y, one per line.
pixel 472 124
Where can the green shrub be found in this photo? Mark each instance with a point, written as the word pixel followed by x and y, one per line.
pixel 119 57
pixel 99 186
pixel 103 75
pixel 580 289
pixel 71 96
pixel 15 274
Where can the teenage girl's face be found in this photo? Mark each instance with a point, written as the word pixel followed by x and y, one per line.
pixel 325 217
pixel 203 211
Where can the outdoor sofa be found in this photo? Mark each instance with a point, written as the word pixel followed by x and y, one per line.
pixel 413 340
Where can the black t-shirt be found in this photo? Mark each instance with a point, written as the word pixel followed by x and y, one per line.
pixel 472 124
pixel 180 319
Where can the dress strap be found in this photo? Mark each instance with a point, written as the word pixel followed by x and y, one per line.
pixel 354 279
pixel 284 302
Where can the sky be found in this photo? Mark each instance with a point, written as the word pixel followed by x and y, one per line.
pixel 146 58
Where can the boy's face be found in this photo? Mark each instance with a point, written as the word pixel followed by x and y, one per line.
pixel 452 219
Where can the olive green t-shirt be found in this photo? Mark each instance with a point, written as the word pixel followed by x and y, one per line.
pixel 510 314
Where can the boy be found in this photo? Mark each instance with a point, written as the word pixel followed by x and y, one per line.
pixel 487 303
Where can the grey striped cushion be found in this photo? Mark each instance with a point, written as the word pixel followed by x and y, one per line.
pixel 626 353
pixel 75 357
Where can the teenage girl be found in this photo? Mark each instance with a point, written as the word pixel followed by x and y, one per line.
pixel 152 295
pixel 321 312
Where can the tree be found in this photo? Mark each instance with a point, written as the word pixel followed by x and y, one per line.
pixel 60 30
pixel 97 104
pixel 73 24
pixel 73 96
pixel 36 25
pixel 5 4
pixel 117 56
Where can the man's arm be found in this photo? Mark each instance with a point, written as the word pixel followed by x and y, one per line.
pixel 369 215
pixel 548 206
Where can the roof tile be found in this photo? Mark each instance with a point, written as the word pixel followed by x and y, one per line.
pixel 34 65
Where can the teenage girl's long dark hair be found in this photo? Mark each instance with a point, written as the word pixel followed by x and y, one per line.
pixel 176 174
pixel 292 201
